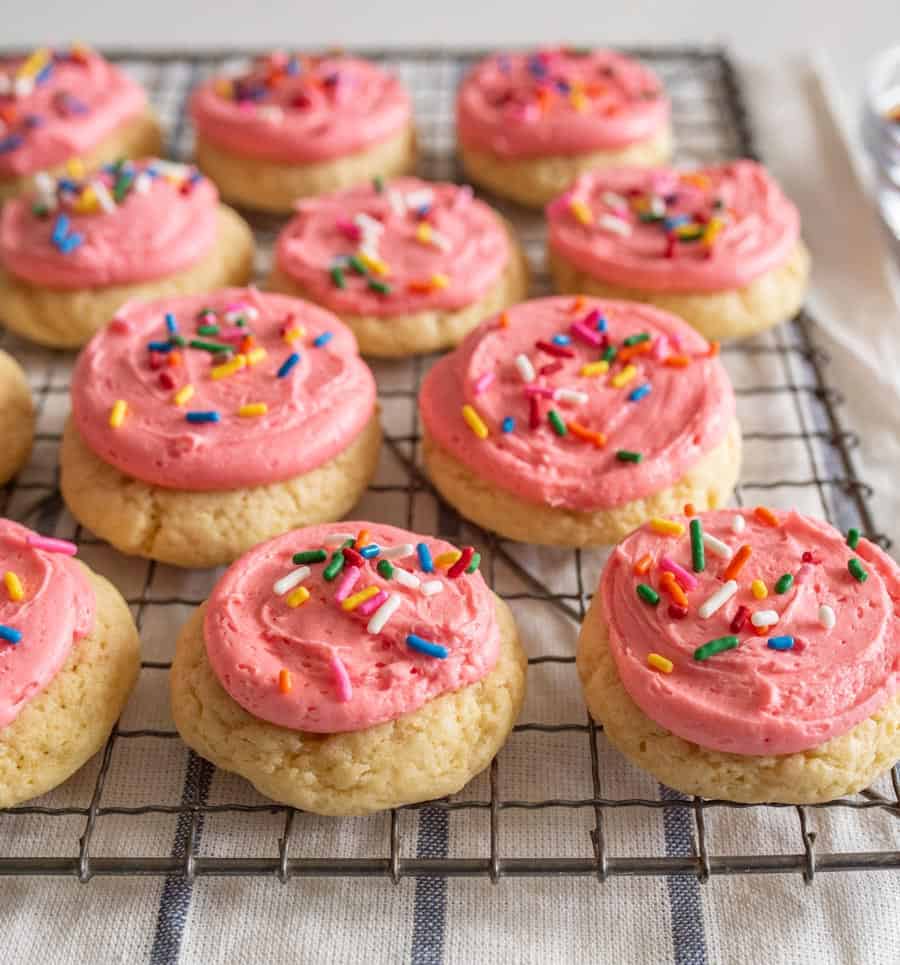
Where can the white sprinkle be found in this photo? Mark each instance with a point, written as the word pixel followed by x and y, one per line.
pixel 290 581
pixel 398 552
pixel 419 199
pixel 175 168
pixel 338 539
pixel 368 225
pixel 271 113
pixel 44 181
pixel 738 524
pixel 570 395
pixel 432 587
pixel 657 206
pixel 142 183
pixel 440 241
pixel 526 369
pixel 826 616
pixel 764 618
pixel 617 226
pixel 104 198
pixel 381 616
pixel 406 578
pixel 614 200
pixel 715 602
pixel 395 200
pixel 22 86
pixel 716 546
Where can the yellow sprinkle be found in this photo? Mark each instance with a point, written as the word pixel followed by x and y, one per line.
pixel 374 264
pixel 445 560
pixel 14 586
pixel 87 202
pixel 624 377
pixel 117 414
pixel 228 368
pixel 713 228
pixel 257 355
pixel 578 100
pixel 184 394
pixel 297 597
pixel 35 63
pixel 253 409
pixel 686 230
pixel 75 167
pixel 352 602
pixel 759 589
pixel 223 87
pixel 423 233
pixel 667 527
pixel 292 334
pixel 474 422
pixel 439 280
pixel 581 211
pixel 595 368
pixel 659 662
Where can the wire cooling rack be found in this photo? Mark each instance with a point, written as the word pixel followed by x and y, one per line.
pixel 558 800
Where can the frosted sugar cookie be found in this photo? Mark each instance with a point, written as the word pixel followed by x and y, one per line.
pixel 16 418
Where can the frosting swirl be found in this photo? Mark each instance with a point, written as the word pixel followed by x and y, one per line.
pixel 558 102
pixel 560 421
pixel 290 393
pixel 316 666
pixel 706 230
pixel 48 601
pixel 301 109
pixel 843 662
pixel 415 246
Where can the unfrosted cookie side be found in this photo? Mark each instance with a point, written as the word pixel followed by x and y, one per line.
pixel 16 418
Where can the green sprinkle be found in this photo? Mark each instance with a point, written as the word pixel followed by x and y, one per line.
pixel 474 563
pixel 209 346
pixel 559 427
pixel 648 217
pixel 379 286
pixel 719 645
pixel 335 565
pixel 378 183
pixel 853 538
pixel 698 553
pixel 694 235
pixel 354 262
pixel 123 183
pixel 337 276
pixel 857 570
pixel 311 556
pixel 625 455
pixel 784 583
pixel 207 329
pixel 40 210
pixel 609 353
pixel 178 340
pixel 647 594
pixel 386 569
pixel 637 339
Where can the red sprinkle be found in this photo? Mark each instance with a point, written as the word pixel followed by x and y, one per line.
pixel 534 412
pixel 740 618
pixel 157 360
pixel 677 612
pixel 166 380
pixel 353 558
pixel 459 567
pixel 558 350
pixel 807 557
pixel 550 369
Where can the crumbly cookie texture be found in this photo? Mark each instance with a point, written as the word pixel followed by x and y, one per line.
pixel 275 186
pixel 841 766
pixel 67 319
pixel 139 137
pixel 202 529
pixel 769 300
pixel 707 485
pixel 16 418
pixel 60 728
pixel 431 331
pixel 537 181
pixel 423 755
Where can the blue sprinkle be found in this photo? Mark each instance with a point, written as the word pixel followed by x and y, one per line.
pixel 202 416
pixel 69 243
pixel 60 229
pixel 32 121
pixel 171 324
pixel 426 646
pixel 601 324
pixel 323 339
pixel 675 221
pixel 11 142
pixel 637 394
pixel 67 184
pixel 43 73
pixel 508 424
pixel 425 560
pixel 288 364
pixel 159 346
pixel 561 339
pixel 11 635
pixel 781 643
pixel 370 552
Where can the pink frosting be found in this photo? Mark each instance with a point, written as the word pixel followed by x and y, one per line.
pixel 686 413
pixel 164 227
pixel 753 699
pixel 301 109
pixel 558 102
pixel 314 411
pixel 57 609
pixel 252 634
pixel 83 99
pixel 467 246
pixel 759 227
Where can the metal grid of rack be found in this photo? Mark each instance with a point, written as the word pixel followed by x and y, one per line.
pixel 148 806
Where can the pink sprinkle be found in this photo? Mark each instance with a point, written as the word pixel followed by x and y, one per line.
pixel 540 390
pixel 348 581
pixel 589 335
pixel 482 382
pixel 463 196
pixel 348 229
pixel 341 679
pixel 120 325
pixel 370 606
pixel 687 580
pixel 233 333
pixel 660 347
pixel 235 307
pixel 591 319
pixel 676 342
pixel 803 573
pixel 52 545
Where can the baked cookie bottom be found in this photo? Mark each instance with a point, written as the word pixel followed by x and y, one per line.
pixel 140 136
pixel 843 765
pixel 769 300
pixel 536 181
pixel 203 529
pixel 274 186
pixel 707 484
pixel 423 332
pixel 70 720
pixel 67 319
pixel 426 754
pixel 16 418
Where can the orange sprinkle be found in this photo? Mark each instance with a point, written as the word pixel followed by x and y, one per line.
pixel 763 631
pixel 247 343
pixel 643 564
pixel 577 304
pixel 689 509
pixel 419 287
pixel 362 539
pixel 765 515
pixel 285 684
pixel 504 320
pixel 174 358
pixel 581 432
pixel 737 562
pixel 629 351
pixel 677 361
pixel 670 584
pixel 714 349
